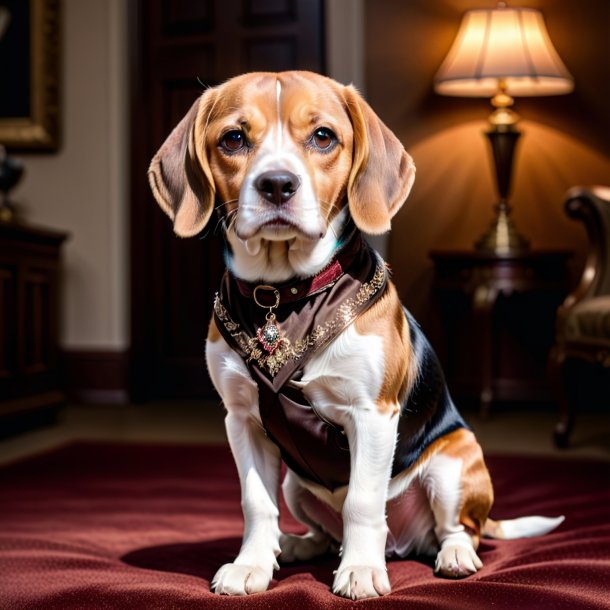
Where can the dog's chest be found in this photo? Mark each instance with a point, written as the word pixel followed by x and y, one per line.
pixel 346 375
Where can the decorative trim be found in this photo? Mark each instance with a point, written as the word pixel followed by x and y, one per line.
pixel 96 377
pixel 295 350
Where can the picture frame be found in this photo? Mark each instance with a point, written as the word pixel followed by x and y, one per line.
pixel 30 75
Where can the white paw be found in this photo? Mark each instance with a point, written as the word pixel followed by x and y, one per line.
pixel 457 561
pixel 234 579
pixel 302 548
pixel 358 582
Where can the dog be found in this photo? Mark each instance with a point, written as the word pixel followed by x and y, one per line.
pixel 316 361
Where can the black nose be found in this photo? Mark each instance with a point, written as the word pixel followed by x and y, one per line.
pixel 277 186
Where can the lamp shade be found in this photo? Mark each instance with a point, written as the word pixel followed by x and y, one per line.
pixel 507 44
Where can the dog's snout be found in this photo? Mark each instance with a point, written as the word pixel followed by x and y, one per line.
pixel 277 186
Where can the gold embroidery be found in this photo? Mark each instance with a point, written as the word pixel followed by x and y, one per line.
pixel 289 350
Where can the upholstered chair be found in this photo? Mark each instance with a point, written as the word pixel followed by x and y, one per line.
pixel 583 320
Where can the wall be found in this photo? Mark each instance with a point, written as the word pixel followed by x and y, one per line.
pixel 345 41
pixel 565 139
pixel 82 189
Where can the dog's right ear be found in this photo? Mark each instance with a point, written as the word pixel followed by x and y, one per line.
pixel 179 174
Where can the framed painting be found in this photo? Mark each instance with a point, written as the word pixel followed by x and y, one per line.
pixel 29 74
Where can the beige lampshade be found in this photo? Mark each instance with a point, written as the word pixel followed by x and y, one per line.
pixel 511 44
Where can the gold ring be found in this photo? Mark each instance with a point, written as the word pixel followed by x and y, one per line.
pixel 276 292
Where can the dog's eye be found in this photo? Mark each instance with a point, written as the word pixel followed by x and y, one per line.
pixel 233 140
pixel 323 138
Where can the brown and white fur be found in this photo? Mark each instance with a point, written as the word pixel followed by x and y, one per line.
pixel 289 158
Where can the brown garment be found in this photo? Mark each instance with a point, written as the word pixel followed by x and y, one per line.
pixel 312 447
pixel 309 318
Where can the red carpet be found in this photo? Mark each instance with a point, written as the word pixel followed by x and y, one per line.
pixel 127 526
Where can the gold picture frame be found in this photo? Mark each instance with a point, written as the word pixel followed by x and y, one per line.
pixel 29 61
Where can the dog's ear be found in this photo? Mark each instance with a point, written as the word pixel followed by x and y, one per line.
pixel 382 171
pixel 179 174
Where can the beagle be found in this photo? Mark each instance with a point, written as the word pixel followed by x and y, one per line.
pixel 317 362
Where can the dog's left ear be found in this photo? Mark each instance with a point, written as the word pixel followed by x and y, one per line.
pixel 179 174
pixel 382 171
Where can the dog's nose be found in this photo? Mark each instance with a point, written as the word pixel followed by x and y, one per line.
pixel 277 186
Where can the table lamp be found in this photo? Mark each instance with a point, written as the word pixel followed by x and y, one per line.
pixel 500 53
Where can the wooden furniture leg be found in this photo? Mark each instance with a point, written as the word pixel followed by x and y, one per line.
pixel 484 301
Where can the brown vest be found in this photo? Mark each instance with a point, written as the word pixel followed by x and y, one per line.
pixel 311 313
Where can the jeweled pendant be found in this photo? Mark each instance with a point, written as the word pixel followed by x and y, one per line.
pixel 269 335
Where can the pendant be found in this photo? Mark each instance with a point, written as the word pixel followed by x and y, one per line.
pixel 269 335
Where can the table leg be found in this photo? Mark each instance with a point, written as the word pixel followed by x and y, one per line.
pixel 484 300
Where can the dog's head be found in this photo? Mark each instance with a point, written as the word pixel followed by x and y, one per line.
pixel 284 157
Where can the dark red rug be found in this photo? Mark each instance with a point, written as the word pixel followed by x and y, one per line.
pixel 129 526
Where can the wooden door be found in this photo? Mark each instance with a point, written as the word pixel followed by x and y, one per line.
pixel 179 47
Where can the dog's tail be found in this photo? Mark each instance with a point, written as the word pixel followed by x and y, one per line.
pixel 523 527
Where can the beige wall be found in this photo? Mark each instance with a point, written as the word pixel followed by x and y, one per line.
pixel 82 189
pixel 345 41
pixel 566 140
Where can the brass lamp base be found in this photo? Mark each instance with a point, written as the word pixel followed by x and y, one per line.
pixel 502 236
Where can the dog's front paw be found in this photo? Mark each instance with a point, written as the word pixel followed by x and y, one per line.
pixel 234 579
pixel 359 582
pixel 457 561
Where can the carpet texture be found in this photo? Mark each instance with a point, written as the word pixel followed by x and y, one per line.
pixel 136 526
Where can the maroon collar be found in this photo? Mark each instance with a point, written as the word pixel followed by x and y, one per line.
pixel 299 289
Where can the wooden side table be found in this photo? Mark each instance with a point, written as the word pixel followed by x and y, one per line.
pixel 29 319
pixel 498 315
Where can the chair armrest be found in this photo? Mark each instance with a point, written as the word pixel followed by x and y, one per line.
pixel 591 205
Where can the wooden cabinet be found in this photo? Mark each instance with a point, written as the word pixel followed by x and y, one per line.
pixel 29 318
pixel 498 320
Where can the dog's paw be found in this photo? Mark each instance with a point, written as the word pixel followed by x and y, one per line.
pixel 234 579
pixel 359 582
pixel 457 561
pixel 302 548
